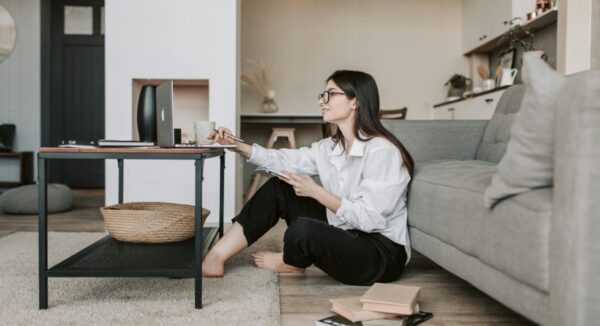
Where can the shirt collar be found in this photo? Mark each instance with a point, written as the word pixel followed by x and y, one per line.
pixel 357 148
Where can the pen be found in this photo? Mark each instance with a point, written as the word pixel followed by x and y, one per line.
pixel 232 136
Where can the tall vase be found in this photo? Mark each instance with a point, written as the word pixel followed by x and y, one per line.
pixel 146 113
pixel 268 104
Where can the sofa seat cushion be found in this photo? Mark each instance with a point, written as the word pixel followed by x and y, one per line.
pixel 445 201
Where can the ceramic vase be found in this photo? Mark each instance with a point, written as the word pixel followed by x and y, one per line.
pixel 146 113
pixel 268 104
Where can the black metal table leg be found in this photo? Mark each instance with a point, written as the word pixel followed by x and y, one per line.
pixel 221 196
pixel 198 241
pixel 43 231
pixel 120 164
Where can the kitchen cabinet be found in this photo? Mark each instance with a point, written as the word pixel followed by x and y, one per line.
pixel 484 20
pixel 480 107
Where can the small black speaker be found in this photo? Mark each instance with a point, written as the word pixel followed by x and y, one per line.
pixel 146 113
pixel 7 136
pixel 177 135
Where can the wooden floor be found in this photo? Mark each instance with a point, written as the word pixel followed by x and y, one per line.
pixel 304 297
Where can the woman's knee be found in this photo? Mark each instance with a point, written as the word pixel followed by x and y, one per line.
pixel 301 229
pixel 276 184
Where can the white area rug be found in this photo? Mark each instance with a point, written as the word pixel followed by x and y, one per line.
pixel 246 295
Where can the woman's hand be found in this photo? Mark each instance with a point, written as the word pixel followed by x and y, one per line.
pixel 304 185
pixel 220 137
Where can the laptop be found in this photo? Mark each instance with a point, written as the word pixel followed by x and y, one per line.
pixel 164 120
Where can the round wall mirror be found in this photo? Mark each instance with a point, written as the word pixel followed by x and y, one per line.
pixel 8 34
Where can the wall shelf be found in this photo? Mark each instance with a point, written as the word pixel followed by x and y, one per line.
pixel 539 22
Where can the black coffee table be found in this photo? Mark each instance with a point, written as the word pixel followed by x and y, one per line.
pixel 108 257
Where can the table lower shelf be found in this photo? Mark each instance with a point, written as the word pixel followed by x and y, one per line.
pixel 108 257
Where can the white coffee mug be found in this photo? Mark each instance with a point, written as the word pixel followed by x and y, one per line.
pixel 508 76
pixel 489 84
pixel 203 130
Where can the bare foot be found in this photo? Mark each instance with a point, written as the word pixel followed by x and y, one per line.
pixel 212 267
pixel 274 261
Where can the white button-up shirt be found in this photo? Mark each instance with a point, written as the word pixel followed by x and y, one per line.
pixel 372 182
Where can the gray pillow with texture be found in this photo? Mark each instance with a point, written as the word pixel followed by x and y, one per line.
pixel 528 162
pixel 24 199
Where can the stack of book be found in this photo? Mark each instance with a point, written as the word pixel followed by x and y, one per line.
pixel 381 301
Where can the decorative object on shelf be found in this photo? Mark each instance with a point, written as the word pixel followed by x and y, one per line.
pixel 146 113
pixel 506 63
pixel 458 85
pixel 7 136
pixel 8 34
pixel 151 222
pixel 488 83
pixel 258 77
pixel 531 15
pixel 542 6
pixel 508 76
pixel 268 104
pixel 507 59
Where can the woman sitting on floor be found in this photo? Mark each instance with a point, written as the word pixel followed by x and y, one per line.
pixel 354 227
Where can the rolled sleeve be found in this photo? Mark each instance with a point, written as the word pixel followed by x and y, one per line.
pixel 378 194
pixel 259 155
pixel 300 161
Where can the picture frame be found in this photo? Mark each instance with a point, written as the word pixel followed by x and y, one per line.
pixel 506 60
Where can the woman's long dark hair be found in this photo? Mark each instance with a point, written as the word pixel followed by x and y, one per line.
pixel 362 86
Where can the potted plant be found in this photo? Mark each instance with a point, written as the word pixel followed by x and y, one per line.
pixel 520 36
pixel 458 85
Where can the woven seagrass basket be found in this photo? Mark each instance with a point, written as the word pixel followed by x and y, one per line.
pixel 151 222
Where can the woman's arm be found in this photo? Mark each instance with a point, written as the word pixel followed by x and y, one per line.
pixel 300 160
pixel 243 149
pixel 328 199
pixel 220 137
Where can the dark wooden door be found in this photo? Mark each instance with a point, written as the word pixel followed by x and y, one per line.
pixel 77 86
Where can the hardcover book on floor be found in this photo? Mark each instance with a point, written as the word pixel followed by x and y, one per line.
pixel 351 308
pixel 391 298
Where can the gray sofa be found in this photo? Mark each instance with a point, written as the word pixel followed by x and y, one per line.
pixel 536 252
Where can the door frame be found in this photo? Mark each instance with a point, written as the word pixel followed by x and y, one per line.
pixel 46 65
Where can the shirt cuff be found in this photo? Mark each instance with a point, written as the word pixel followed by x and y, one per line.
pixel 258 155
pixel 344 209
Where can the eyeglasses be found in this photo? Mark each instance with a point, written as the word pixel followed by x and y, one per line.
pixel 326 95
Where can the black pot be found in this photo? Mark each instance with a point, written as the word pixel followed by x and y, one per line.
pixel 146 113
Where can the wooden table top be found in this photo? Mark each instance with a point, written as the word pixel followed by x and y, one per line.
pixel 130 150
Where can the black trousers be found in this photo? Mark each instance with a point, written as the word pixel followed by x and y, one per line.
pixel 349 256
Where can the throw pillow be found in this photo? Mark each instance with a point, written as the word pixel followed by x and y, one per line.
pixel 528 162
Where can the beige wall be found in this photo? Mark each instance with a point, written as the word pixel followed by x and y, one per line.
pixel 595 59
pixel 410 47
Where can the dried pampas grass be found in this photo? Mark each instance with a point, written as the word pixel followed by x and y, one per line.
pixel 258 77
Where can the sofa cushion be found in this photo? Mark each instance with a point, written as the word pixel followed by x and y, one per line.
pixel 497 132
pixel 445 201
pixel 528 162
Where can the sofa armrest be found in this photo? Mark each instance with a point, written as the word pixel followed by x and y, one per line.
pixel 575 225
pixel 428 140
